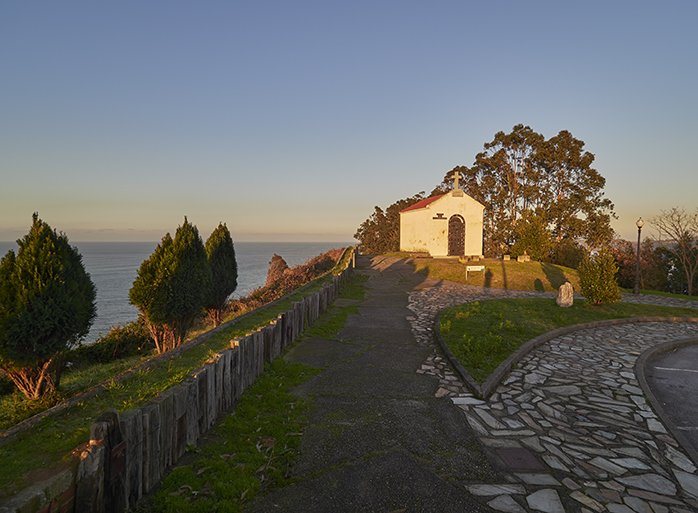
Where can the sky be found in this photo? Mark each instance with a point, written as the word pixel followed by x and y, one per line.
pixel 289 121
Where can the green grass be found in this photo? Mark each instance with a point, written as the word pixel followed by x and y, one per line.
pixel 354 288
pixel 661 293
pixel 499 274
pixel 254 448
pixel 482 334
pixel 48 445
pixel 251 449
pixel 14 407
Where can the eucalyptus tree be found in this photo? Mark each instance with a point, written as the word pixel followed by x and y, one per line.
pixel 380 233
pixel 47 304
pixel 520 174
pixel 572 195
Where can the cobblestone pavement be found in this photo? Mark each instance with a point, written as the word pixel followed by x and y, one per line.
pixel 570 424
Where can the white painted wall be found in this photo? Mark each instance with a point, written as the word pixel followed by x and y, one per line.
pixel 420 232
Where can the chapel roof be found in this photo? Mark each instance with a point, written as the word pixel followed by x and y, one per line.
pixel 422 203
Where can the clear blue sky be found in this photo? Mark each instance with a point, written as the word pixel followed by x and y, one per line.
pixel 291 120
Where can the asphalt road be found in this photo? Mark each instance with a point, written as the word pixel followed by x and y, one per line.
pixel 379 439
pixel 673 377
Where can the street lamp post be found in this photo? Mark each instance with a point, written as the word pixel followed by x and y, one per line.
pixel 639 223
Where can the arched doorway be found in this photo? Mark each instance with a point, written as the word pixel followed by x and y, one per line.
pixel 456 236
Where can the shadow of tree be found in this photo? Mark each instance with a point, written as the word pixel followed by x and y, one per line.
pixel 538 285
pixel 488 279
pixel 505 283
pixel 405 267
pixel 554 275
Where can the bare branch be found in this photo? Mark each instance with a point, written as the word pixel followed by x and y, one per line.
pixel 681 228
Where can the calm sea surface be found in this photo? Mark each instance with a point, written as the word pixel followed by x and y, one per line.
pixel 113 267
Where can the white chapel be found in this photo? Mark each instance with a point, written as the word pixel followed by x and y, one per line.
pixel 445 225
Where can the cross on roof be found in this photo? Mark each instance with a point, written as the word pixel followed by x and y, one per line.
pixel 456 177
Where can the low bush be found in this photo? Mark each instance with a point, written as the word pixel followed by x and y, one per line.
pixel 597 278
pixel 6 386
pixel 122 341
pixel 281 281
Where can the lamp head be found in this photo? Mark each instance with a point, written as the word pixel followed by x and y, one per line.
pixel 639 223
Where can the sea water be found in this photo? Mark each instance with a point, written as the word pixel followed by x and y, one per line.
pixel 113 267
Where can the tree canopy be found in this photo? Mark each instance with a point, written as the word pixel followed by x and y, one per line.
pixel 47 303
pixel 224 271
pixel 380 233
pixel 520 174
pixel 172 286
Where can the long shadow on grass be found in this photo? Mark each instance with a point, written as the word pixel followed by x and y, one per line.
pixel 555 276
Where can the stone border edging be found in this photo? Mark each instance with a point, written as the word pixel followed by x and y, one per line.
pixel 640 372
pixel 486 389
pixel 7 435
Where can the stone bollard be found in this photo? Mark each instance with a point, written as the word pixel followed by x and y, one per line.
pixel 565 295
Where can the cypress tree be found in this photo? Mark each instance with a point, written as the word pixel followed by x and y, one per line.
pixel 224 272
pixel 172 285
pixel 47 304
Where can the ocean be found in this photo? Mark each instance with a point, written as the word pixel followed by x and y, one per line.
pixel 113 267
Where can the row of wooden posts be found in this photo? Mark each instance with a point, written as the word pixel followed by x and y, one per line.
pixel 129 453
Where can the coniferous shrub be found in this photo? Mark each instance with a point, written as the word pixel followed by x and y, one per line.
pixel 47 303
pixel 171 287
pixel 224 272
pixel 597 278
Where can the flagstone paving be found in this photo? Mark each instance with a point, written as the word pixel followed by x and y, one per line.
pixel 570 425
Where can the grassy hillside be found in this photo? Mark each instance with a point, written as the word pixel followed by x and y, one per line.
pixel 499 274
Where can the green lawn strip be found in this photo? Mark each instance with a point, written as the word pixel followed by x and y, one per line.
pixel 499 274
pixel 334 319
pixel 14 407
pixel 253 448
pixel 482 334
pixel 49 444
pixel 354 288
pixel 249 449
pixel 648 292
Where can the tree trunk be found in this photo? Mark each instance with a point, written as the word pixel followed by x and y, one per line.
pixel 33 382
pixel 215 316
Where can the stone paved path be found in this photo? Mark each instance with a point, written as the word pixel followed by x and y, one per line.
pixel 570 424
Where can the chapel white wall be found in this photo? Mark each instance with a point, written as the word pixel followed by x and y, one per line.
pixel 419 232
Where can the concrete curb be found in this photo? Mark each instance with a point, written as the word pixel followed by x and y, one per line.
pixel 486 389
pixel 469 381
pixel 640 372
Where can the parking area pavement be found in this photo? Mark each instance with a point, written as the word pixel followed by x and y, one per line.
pixel 673 378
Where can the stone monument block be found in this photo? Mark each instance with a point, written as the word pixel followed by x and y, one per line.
pixel 565 295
